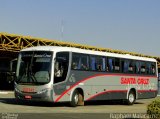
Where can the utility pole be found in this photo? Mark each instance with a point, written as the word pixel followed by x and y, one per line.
pixel 62 29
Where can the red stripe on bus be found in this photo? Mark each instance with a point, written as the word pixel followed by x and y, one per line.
pixel 73 87
pixel 97 75
pixel 110 91
pixel 144 91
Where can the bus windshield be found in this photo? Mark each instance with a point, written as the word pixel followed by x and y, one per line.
pixel 34 67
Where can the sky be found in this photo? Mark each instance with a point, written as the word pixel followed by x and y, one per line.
pixel 129 25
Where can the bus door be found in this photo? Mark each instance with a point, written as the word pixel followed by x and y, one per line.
pixel 61 65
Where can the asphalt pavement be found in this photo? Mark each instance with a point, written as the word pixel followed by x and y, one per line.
pixel 11 109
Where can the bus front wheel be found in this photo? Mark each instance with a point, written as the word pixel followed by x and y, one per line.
pixel 77 99
pixel 131 98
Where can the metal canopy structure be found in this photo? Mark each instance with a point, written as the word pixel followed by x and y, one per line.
pixel 11 44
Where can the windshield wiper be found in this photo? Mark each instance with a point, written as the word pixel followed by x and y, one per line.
pixel 33 77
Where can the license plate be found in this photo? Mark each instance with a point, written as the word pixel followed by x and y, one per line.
pixel 28 97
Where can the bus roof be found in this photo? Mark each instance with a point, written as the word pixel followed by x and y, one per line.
pixel 84 51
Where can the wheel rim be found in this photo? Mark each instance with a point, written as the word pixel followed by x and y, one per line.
pixel 131 98
pixel 76 99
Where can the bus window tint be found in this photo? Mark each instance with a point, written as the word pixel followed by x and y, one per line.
pixel 148 68
pixel 131 67
pixel 117 65
pixel 76 61
pixel 101 64
pixel 137 69
pixel 84 62
pixel 143 68
pixel 93 63
pixel 125 66
pixel 153 68
pixel 80 61
pixel 122 65
pixel 110 63
pixel 97 63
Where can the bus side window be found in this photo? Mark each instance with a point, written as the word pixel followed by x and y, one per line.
pixel 126 66
pixel 143 68
pixel 148 68
pixel 110 63
pixel 74 65
pixel 137 69
pixel 97 63
pixel 122 65
pixel 84 62
pixel 117 65
pixel 101 64
pixel 75 61
pixel 153 71
pixel 93 63
pixel 131 67
pixel 80 61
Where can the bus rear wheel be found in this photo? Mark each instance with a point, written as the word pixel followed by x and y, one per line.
pixel 77 99
pixel 131 98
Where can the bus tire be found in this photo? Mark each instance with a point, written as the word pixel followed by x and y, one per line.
pixel 131 98
pixel 75 99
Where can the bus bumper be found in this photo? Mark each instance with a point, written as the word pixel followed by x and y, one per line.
pixel 43 96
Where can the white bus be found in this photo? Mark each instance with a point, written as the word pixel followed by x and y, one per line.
pixel 60 74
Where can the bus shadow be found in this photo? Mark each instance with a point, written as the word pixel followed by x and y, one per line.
pixel 108 102
pixel 13 101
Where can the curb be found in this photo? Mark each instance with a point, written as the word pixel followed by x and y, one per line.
pixel 6 92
